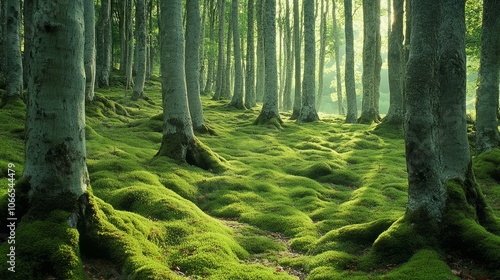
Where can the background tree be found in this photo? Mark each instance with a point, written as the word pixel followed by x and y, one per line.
pixel 322 52
pixel 396 66
pixel 237 100
pixel 308 110
pixel 226 92
pixel 297 102
pixel 487 136
pixel 12 50
pixel 261 68
pixel 90 54
pixel 250 97
pixel 221 4
pixel 372 62
pixel 287 90
pixel 104 44
pixel 211 58
pixel 141 55
pixel 270 112
pixel 350 82
pixel 336 48
pixel 129 51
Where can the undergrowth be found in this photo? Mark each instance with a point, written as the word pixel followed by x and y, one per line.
pixel 306 200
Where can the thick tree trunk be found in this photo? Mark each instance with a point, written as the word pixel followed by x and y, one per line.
pixel 261 72
pixel 396 67
pixel 141 57
pixel 129 12
pixel 350 82
pixel 90 54
pixel 338 58
pixel 250 98
pixel 237 100
pixel 12 50
pixel 487 136
pixel 219 83
pixel 192 63
pixel 287 91
pixel 297 102
pixel 104 43
pixel 371 62
pixel 308 111
pixel 270 113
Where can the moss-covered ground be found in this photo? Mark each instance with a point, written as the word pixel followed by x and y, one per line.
pixel 304 201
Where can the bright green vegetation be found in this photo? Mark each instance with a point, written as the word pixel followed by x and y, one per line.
pixel 305 200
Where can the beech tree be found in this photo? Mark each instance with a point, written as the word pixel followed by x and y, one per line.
pixel 90 54
pixel 350 82
pixel 261 68
pixel 221 5
pixel 103 44
pixel 12 50
pixel 250 98
pixel 487 136
pixel 141 42
pixel 237 100
pixel 297 102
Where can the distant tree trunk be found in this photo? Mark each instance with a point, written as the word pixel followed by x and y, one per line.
pixel 371 62
pixel 201 46
pixel 192 63
pixel 297 102
pixel 396 67
pixel 226 85
pixel 250 98
pixel 308 111
pixel 336 42
pixel 104 43
pixel 322 53
pixel 287 92
pixel 129 12
pixel 90 55
pixel 122 30
pixel 28 14
pixel 270 112
pixel 487 136
pixel 179 142
pixel 261 72
pixel 12 50
pixel 141 57
pixel 350 82
pixel 219 83
pixel 211 57
pixel 237 100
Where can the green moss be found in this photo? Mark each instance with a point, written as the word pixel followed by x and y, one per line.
pixel 423 265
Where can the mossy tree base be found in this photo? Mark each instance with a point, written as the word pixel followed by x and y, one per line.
pixel 369 117
pixel 191 151
pixel 269 118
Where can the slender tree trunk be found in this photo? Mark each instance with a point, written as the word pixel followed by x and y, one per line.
pixel 28 14
pixel 297 102
pixel 308 111
pixel 12 50
pixel 122 30
pixel 211 57
pixel 322 51
pixel 371 61
pixel 141 57
pixel 201 44
pixel 270 112
pixel 104 43
pixel 261 73
pixel 487 136
pixel 129 12
pixel 192 63
pixel 219 83
pixel 237 100
pixel 396 67
pixel 350 80
pixel 250 98
pixel 90 55
pixel 226 85
pixel 338 57
pixel 287 92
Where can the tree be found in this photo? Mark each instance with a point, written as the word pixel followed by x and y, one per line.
pixel 445 205
pixel 261 68
pixel 237 100
pixel 308 111
pixel 89 55
pixel 221 4
pixel 103 44
pixel 336 42
pixel 487 136
pixel 227 80
pixel 129 35
pixel 269 112
pixel 250 98
pixel 12 50
pixel 287 90
pixel 211 58
pixel 322 52
pixel 350 82
pixel 178 142
pixel 141 42
pixel 396 69
pixel 297 102
pixel 372 61
pixel 192 63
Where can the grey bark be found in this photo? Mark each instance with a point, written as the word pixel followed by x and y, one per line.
pixel 338 58
pixel 129 12
pixel 270 112
pixel 141 57
pixel 90 54
pixel 372 62
pixel 396 66
pixel 55 123
pixel 287 92
pixel 226 85
pixel 297 102
pixel 261 72
pixel 192 63
pixel 103 45
pixel 350 82
pixel 201 46
pixel 211 58
pixel 237 100
pixel 487 136
pixel 250 98
pixel 28 13
pixel 308 111
pixel 219 83
pixel 322 53
pixel 122 30
pixel 12 50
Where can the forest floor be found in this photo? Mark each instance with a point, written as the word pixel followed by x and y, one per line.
pixel 302 202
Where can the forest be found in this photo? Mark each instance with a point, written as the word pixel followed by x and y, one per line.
pixel 258 139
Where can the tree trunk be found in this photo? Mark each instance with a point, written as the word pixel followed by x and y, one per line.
pixel 141 57
pixel 12 50
pixel 237 100
pixel 28 14
pixel 396 67
pixel 261 72
pixel 270 113
pixel 487 136
pixel 104 42
pixel 308 111
pixel 201 46
pixel 211 57
pixel 219 83
pixel 350 82
pixel 122 30
pixel 192 63
pixel 90 54
pixel 322 51
pixel 338 58
pixel 287 92
pixel 129 12
pixel 297 102
pixel 226 85
pixel 250 98
pixel 371 61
